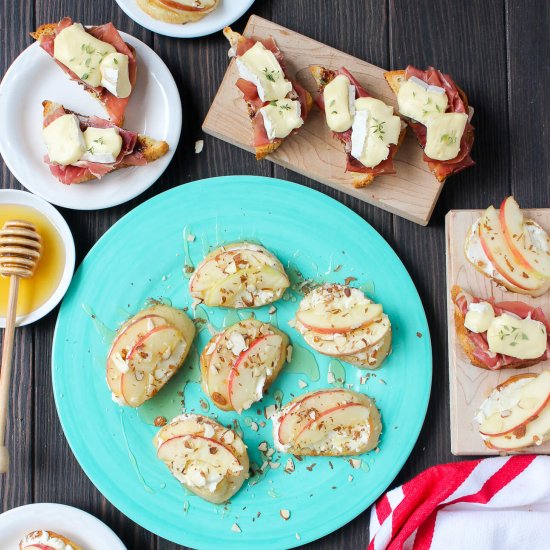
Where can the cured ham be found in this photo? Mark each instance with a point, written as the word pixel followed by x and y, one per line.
pixel 481 351
pixel 129 155
pixel 114 105
pixel 457 104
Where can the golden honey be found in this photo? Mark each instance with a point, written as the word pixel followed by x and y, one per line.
pixel 35 292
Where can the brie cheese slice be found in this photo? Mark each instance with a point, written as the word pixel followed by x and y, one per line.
pixel 444 133
pixel 103 145
pixel 281 117
pixel 64 140
pixel 114 74
pixel 418 100
pixel 339 98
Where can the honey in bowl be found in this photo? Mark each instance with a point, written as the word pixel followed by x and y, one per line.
pixel 35 291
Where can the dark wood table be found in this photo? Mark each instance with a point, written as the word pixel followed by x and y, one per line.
pixel 497 50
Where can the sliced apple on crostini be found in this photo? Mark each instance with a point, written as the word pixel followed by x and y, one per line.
pixel 349 343
pixel 38 547
pixel 152 362
pixel 248 376
pixel 497 250
pixel 530 399
pixel 532 434
pixel 519 236
pixel 250 287
pixel 297 416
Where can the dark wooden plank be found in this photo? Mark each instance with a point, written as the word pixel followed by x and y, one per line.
pixel 16 486
pixel 423 34
pixel 528 49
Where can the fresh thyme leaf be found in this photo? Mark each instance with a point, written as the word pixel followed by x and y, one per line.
pixel 88 61
pixel 378 128
pixel 273 102
pixel 449 139
pixel 428 101
pixel 90 150
pixel 332 103
pixel 85 76
pixel 89 49
pixel 270 75
pixel 115 60
pixel 286 107
pixel 512 344
pixel 99 140
pixel 334 112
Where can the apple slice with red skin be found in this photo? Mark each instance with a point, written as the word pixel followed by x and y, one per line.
pixel 349 415
pixel 264 353
pixel 177 6
pixel 125 340
pixel 518 239
pixel 498 252
pixel 38 547
pixel 531 398
pixel 178 451
pixel 534 433
pixel 296 418
pixel 243 255
pixel 150 357
pixel 351 342
pixel 359 316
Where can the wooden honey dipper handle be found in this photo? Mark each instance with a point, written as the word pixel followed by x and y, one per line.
pixel 20 249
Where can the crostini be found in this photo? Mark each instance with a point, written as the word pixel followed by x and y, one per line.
pixel 207 458
pixel 239 364
pixel 47 540
pixel 367 127
pixel 512 251
pixel 516 415
pixel 81 148
pixel 95 57
pixel 277 105
pixel 239 275
pixel 331 422
pixel 146 352
pixel 178 12
pixel 436 109
pixel 500 335
pixel 340 321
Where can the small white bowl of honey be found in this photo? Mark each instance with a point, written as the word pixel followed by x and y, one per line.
pixel 41 293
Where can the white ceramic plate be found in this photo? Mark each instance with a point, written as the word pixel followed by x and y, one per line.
pixel 154 109
pixel 82 528
pixel 11 196
pixel 226 13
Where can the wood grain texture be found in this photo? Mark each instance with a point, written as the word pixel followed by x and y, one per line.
pixel 313 152
pixel 470 385
pixel 492 48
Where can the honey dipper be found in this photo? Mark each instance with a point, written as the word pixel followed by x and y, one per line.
pixel 20 248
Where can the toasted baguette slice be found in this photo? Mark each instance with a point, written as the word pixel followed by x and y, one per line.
pixel 396 78
pixel 48 29
pixel 158 10
pixel 329 422
pixel 462 336
pixel 262 151
pixel 152 149
pixel 322 77
pixel 43 538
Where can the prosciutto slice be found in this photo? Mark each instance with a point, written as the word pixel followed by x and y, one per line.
pixel 495 361
pixel 129 154
pixel 353 164
pixel 115 106
pixel 250 92
pixel 444 168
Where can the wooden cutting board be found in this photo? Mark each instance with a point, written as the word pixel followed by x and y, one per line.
pixel 313 152
pixel 470 385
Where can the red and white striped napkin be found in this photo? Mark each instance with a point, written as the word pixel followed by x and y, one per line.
pixel 492 504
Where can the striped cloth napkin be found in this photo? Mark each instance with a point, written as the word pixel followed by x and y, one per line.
pixel 491 504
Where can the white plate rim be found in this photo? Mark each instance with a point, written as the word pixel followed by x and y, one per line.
pixel 189 30
pixel 24 198
pixel 174 130
pixel 68 513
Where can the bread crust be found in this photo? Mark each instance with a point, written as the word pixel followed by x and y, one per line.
pixel 152 149
pixel 322 77
pixel 161 12
pixel 462 336
pixel 51 534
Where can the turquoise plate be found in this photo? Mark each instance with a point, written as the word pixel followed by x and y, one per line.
pixel 142 257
